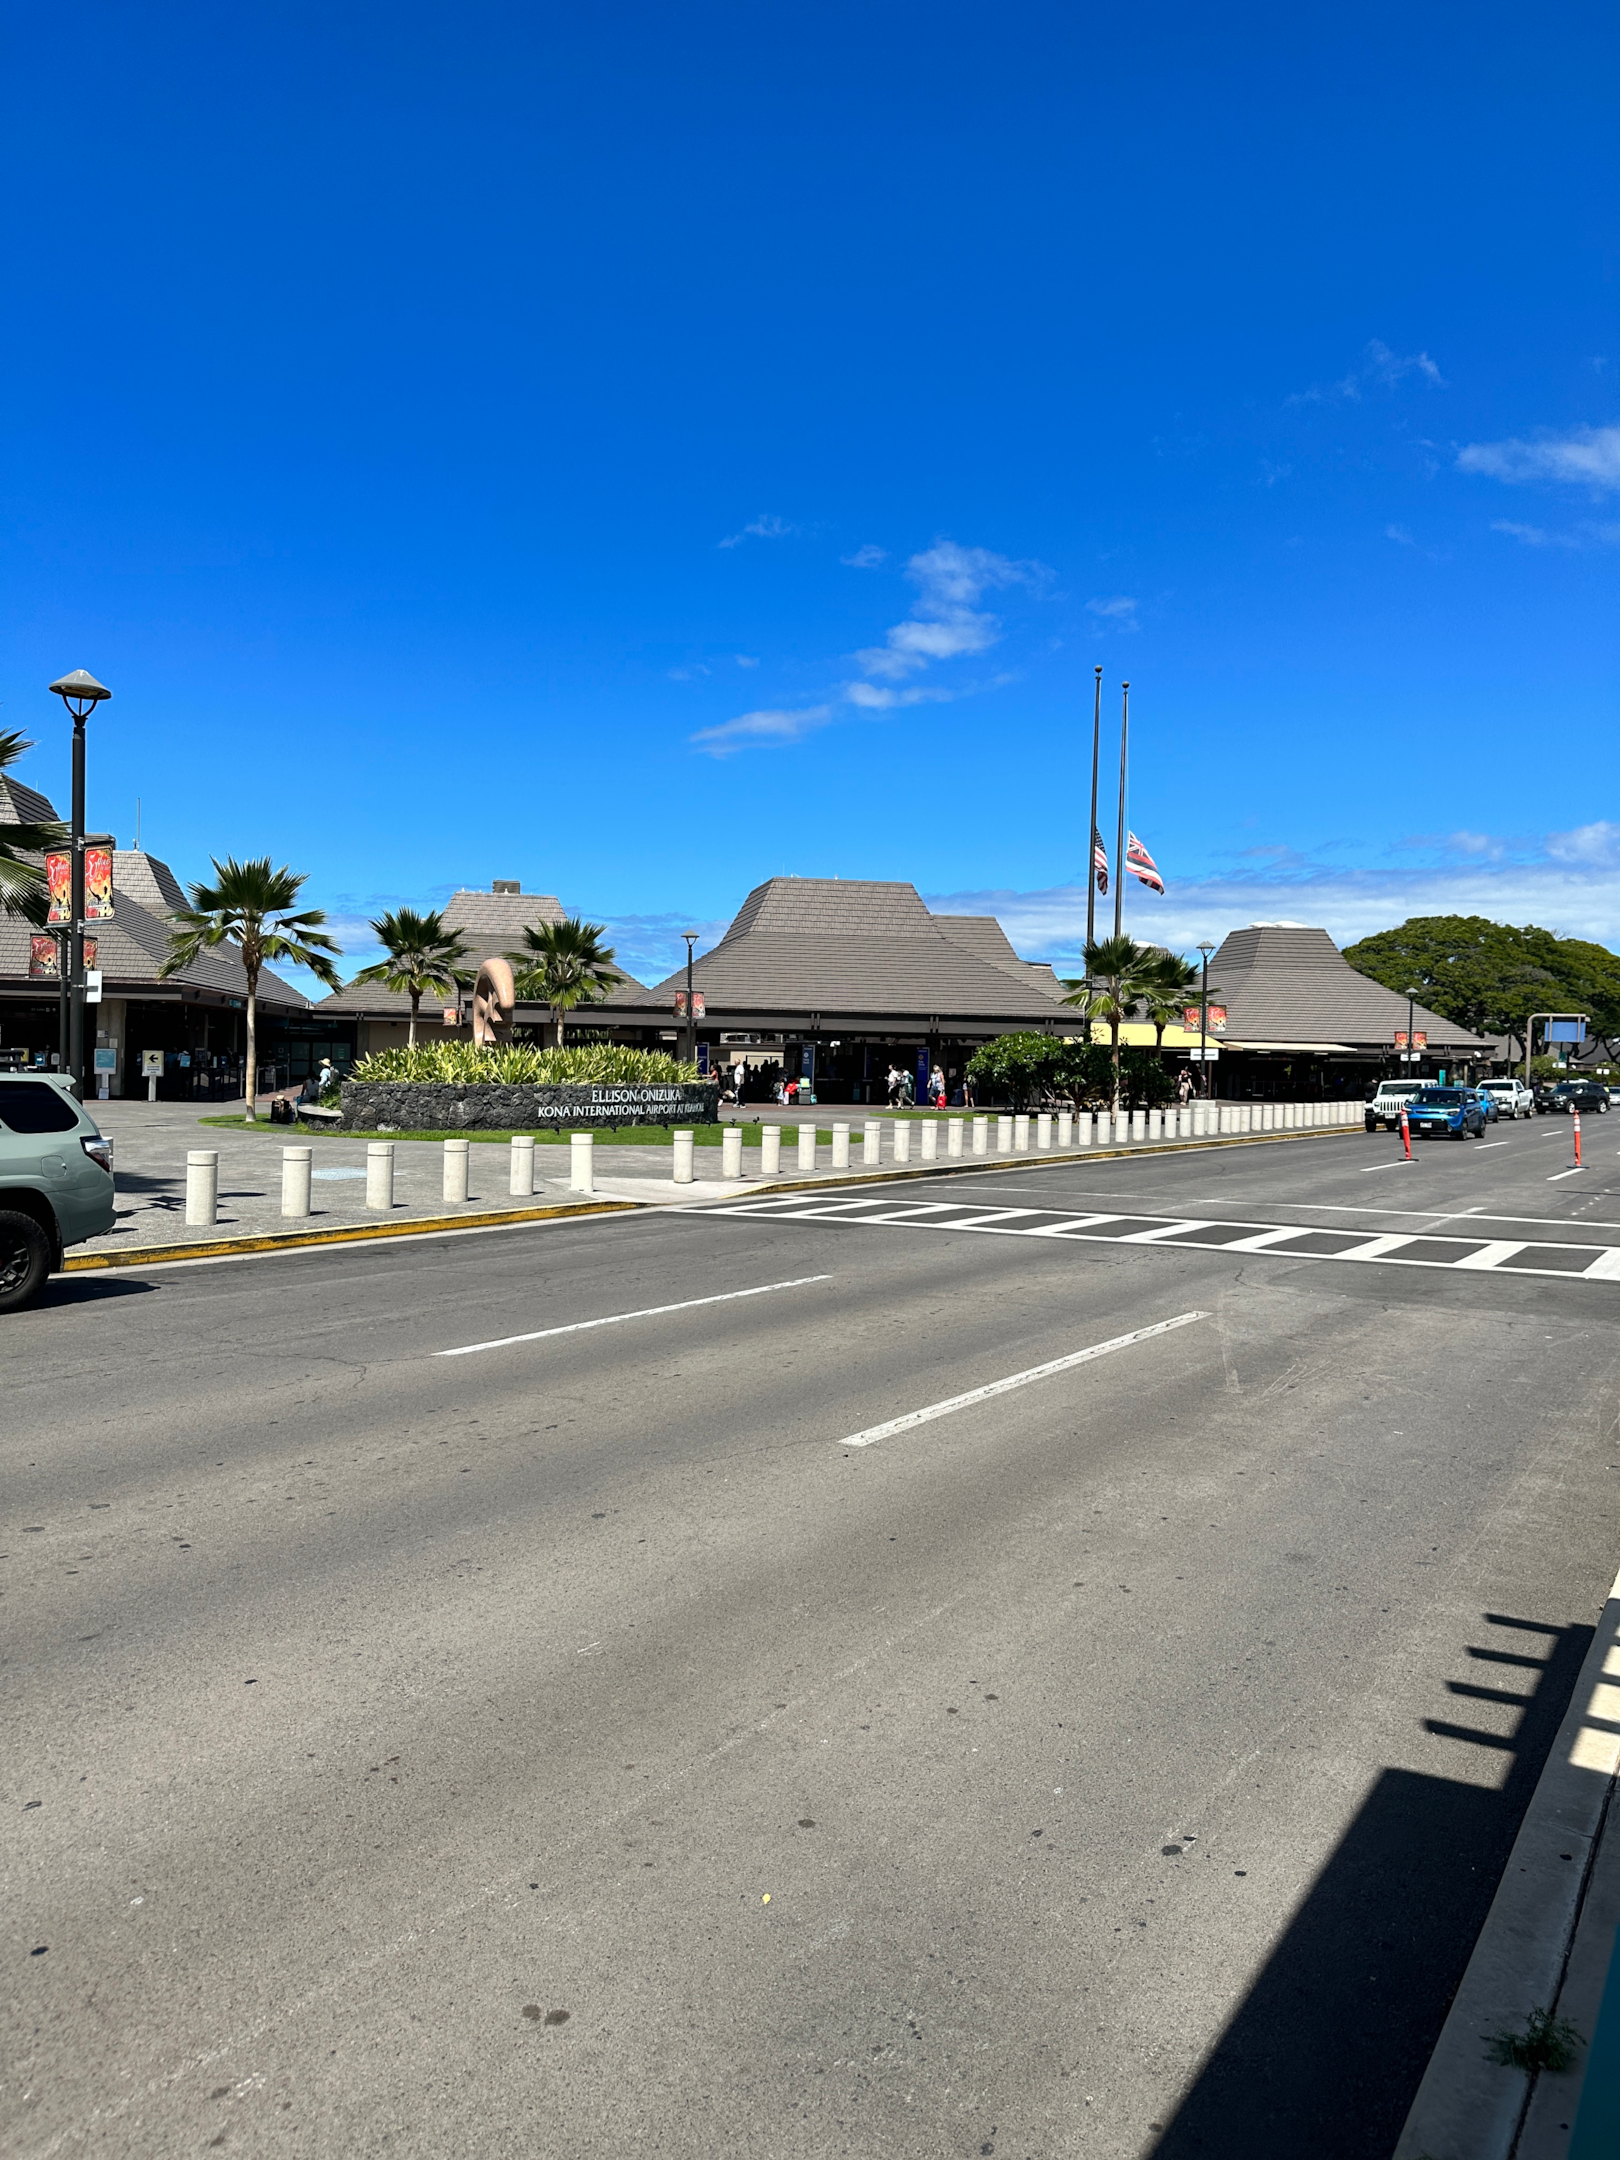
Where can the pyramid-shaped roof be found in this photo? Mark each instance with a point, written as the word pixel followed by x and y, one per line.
pixel 864 949
pixel 1286 983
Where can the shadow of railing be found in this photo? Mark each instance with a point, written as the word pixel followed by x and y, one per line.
pixel 1323 2058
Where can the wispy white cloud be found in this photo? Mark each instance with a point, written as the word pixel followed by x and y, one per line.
pixel 1400 535
pixel 946 622
pixel 870 697
pixel 1378 369
pixel 1584 535
pixel 1584 457
pixel 865 558
pixel 1119 609
pixel 761 528
pixel 770 725
pixel 1596 843
pixel 745 659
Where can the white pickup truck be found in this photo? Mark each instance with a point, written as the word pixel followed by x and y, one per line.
pixel 1511 1097
pixel 1384 1108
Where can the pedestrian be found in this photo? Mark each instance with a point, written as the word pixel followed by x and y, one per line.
pixel 936 1088
pixel 1184 1086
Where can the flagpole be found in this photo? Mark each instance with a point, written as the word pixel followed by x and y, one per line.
pixel 1091 836
pixel 1119 853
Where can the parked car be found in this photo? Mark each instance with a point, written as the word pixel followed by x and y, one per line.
pixel 1455 1112
pixel 1384 1106
pixel 1567 1095
pixel 1513 1098
pixel 1487 1103
pixel 56 1183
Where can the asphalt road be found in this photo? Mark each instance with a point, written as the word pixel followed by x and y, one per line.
pixel 578 1747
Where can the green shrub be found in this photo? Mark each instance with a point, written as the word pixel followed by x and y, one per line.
pixel 517 1064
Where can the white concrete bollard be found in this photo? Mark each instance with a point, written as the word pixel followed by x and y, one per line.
pixel 1200 1118
pixel 840 1146
pixel 1290 1116
pixel 1268 1117
pixel 807 1146
pixel 1004 1135
pixel 295 1173
pixel 683 1143
pixel 1065 1128
pixel 1043 1129
pixel 581 1162
pixel 202 1185
pixel 520 1175
pixel 1138 1124
pixel 981 1136
pixel 953 1136
pixel 871 1144
pixel 380 1175
pixel 1085 1126
pixel 901 1129
pixel 1155 1129
pixel 457 1154
pixel 1226 1117
pixel 930 1140
pixel 770 1150
pixel 731 1152
pixel 1021 1134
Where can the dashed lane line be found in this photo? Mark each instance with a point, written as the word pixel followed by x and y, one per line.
pixel 647 1312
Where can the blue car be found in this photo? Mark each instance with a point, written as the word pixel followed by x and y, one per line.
pixel 1445 1113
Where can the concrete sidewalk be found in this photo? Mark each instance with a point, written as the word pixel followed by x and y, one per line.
pixel 151 1142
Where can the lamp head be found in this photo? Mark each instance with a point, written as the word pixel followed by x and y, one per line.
pixel 1206 945
pixel 691 936
pixel 79 692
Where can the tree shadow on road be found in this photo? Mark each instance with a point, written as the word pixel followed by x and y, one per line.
pixel 1325 2055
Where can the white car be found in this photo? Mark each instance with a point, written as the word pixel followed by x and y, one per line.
pixel 1511 1097
pixel 1384 1107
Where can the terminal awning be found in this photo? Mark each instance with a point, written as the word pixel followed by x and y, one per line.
pixel 1317 1049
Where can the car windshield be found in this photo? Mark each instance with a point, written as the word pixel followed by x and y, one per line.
pixel 1447 1098
pixel 1492 1087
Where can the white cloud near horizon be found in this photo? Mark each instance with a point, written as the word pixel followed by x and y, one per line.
pixel 769 725
pixel 1576 893
pixel 1583 457
pixel 1586 534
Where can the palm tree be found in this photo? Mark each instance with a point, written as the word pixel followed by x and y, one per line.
pixel 251 906
pixel 1175 981
pixel 422 955
pixel 23 890
pixel 1119 975
pixel 564 964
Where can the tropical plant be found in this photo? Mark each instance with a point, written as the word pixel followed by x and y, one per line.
pixel 252 907
pixel 525 1064
pixel 23 890
pixel 564 964
pixel 422 955
pixel 1490 976
pixel 1174 987
pixel 1120 975
pixel 1018 1066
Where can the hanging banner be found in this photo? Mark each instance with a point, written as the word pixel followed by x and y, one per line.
pixel 1420 1041
pixel 1400 1038
pixel 699 1008
pixel 1191 1017
pixel 44 960
pixel 98 892
pixel 59 877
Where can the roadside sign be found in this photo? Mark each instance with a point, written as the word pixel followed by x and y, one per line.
pixel 151 1064
pixel 92 986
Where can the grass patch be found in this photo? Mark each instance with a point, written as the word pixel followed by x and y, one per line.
pixel 1547 2043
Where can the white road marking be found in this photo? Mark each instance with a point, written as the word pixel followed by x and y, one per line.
pixel 874 1433
pixel 1492 1255
pixel 1489 1143
pixel 647 1312
pixel 1606 1267
pixel 1403 1164
pixel 1557 1174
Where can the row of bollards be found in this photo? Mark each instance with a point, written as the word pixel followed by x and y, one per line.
pixel 1014 1134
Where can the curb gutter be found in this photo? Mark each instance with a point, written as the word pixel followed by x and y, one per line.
pixel 1467 2107
pixel 500 1218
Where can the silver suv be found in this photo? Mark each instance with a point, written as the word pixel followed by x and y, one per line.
pixel 56 1182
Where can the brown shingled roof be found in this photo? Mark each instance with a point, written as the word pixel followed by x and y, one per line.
pixel 1285 982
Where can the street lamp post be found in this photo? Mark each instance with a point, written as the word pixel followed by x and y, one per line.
pixel 1206 947
pixel 691 937
pixel 1411 1046
pixel 80 693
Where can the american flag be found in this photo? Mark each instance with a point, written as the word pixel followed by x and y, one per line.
pixel 1099 860
pixel 1141 865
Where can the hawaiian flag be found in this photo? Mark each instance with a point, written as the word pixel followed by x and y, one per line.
pixel 1099 860
pixel 1141 865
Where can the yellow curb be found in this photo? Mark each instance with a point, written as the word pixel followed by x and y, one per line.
pixel 355 1234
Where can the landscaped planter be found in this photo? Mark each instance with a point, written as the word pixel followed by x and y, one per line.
pixel 490 1106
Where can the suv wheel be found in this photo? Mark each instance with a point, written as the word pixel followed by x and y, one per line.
pixel 25 1260
pixel 1372 1124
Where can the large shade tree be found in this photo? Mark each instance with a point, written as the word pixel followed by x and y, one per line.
pixel 421 955
pixel 23 890
pixel 252 907
pixel 1120 975
pixel 564 964
pixel 1489 976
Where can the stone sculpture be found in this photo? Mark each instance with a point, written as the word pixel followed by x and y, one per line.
pixel 494 996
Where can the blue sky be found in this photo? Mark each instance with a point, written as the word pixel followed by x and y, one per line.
pixel 639 450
